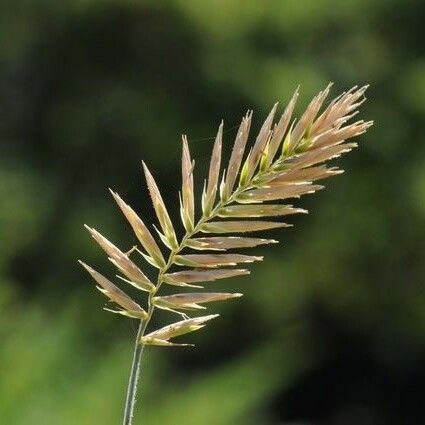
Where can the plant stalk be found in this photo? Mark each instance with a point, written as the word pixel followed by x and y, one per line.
pixel 134 376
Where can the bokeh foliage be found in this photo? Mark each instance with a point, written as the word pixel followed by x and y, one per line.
pixel 332 330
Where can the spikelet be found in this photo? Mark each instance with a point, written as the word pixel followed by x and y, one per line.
pixel 209 194
pixel 285 162
pixel 129 307
pixel 142 233
pixel 136 277
pixel 168 235
pixel 191 300
pixel 187 202
pixel 163 335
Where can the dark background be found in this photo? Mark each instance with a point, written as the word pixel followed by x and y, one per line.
pixel 332 326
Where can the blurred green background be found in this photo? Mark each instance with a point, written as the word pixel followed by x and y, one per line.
pixel 332 328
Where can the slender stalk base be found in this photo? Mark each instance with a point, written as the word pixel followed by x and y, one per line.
pixel 134 377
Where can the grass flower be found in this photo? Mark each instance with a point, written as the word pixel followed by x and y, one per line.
pixel 286 160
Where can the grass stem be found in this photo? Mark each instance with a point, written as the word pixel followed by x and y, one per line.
pixel 134 377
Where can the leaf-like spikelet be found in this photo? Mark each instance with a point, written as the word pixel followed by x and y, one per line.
pixel 161 336
pixel 191 300
pixel 262 210
pixel 187 208
pixel 305 175
pixel 236 156
pixel 280 192
pixel 192 276
pixel 336 136
pixel 131 308
pixel 239 226
pixel 280 129
pixel 259 146
pixel 142 232
pixel 160 209
pixel 303 127
pixel 317 156
pixel 209 194
pixel 136 277
pixel 213 260
pixel 222 243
